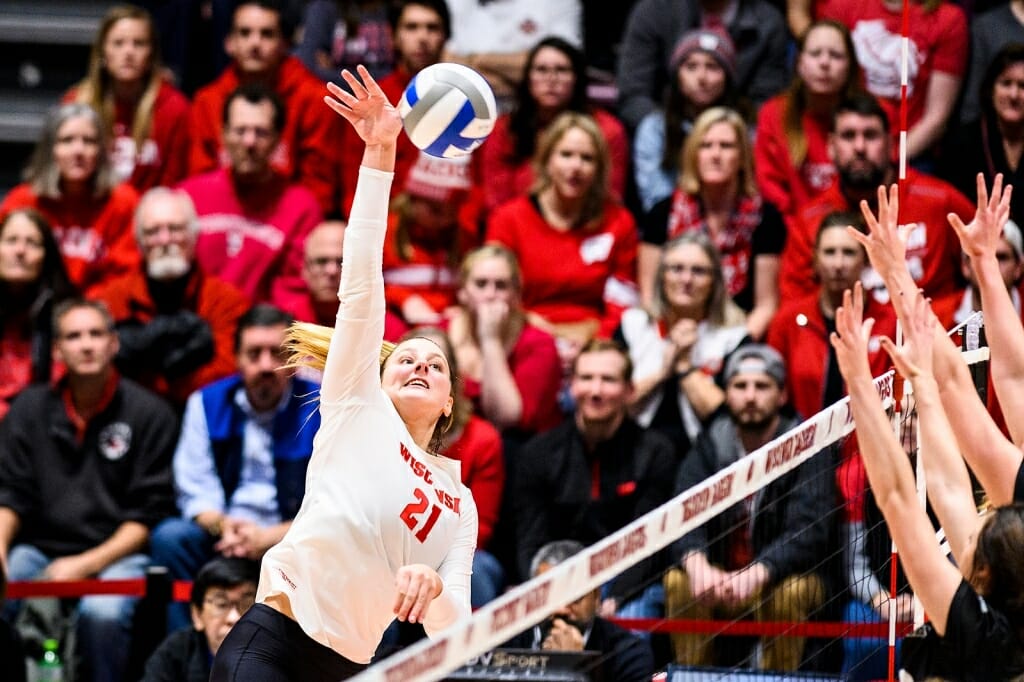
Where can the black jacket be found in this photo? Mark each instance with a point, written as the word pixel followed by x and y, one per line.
pixel 790 516
pixel 183 657
pixel 554 496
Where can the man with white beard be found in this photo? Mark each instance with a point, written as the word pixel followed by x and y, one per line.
pixel 176 323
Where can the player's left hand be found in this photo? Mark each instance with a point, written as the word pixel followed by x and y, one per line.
pixel 418 585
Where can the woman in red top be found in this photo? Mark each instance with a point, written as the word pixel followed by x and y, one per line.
pixel 575 243
pixel 554 81
pixel 146 117
pixel 69 180
pixel 716 194
pixel 509 368
pixel 791 157
pixel 32 281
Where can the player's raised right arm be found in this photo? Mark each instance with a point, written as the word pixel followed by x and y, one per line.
pixel 352 361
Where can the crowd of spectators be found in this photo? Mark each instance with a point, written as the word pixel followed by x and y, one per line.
pixel 604 273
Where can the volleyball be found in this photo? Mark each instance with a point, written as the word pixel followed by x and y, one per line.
pixel 448 110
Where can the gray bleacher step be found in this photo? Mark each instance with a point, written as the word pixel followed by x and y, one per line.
pixel 22 113
pixel 60 22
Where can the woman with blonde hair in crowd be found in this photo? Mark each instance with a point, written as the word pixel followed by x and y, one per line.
pixel 679 343
pixel 575 243
pixel 145 116
pixel 791 157
pixel 70 181
pixel 509 368
pixel 717 195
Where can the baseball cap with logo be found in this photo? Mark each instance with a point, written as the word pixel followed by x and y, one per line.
pixel 756 358
pixel 438 179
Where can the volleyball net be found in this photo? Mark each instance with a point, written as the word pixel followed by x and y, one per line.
pixel 835 613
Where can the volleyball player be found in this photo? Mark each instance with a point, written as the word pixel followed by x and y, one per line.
pixel 977 618
pixel 386 529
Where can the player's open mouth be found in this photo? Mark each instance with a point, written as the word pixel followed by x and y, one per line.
pixel 417 382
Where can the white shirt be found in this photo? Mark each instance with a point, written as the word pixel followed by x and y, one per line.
pixel 512 25
pixel 374 500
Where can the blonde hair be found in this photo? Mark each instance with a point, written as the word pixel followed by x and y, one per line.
pixel 307 345
pixel 96 88
pixel 598 193
pixel 689 177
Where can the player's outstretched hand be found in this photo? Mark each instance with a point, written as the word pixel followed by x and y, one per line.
pixel 417 586
pixel 980 238
pixel 367 108
pixel 850 339
pixel 885 243
pixel 914 357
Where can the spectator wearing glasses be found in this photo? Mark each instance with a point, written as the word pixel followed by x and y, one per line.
pixel 223 590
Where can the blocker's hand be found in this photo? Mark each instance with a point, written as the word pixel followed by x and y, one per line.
pixel 418 585
pixel 367 108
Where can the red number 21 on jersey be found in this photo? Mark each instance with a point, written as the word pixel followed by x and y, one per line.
pixel 414 509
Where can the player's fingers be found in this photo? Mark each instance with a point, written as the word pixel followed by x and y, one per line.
pixel 411 593
pixel 341 109
pixel 420 606
pixel 357 87
pixel 369 82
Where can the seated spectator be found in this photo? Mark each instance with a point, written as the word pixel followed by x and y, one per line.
pixel 476 444
pixel 420 29
pixel 991 32
pixel 755 26
pixel 223 590
pixel 554 81
pixel 32 281
pixel 60 522
pixel 432 224
pixel 595 473
pixel 679 345
pixel 495 39
pixel 508 368
pixel 145 116
pixel 704 67
pixel 578 627
pixel 252 219
pixel 717 195
pixel 801 328
pixel 757 555
pixel 575 243
pixel 861 147
pixel 339 35
pixel 175 322
pixel 938 61
pixel 994 142
pixel 69 180
pixel 791 160
pixel 305 148
pixel 240 463
pixel 321 271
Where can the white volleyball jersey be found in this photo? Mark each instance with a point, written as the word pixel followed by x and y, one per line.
pixel 374 500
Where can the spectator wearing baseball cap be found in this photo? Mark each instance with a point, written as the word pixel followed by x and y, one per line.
pixel 432 225
pixel 702 74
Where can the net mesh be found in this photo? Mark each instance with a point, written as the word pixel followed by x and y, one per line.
pixel 830 618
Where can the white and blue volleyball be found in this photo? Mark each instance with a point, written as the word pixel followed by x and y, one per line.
pixel 448 110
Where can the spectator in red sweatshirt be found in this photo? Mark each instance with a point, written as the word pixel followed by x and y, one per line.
pixel 69 180
pixel 146 116
pixel 306 149
pixel 252 219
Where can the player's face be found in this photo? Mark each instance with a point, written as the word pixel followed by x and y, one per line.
pixel 839 260
pixel 255 41
pixel 84 343
pixel 322 267
pixel 167 243
pixel 1008 94
pixel 551 79
pixel 718 157
pixel 260 357
pixel 689 277
pixel 249 137
pixel 823 64
pixel 600 386
pixel 417 378
pixel 21 251
pixel 127 50
pixel 753 399
pixel 701 79
pixel 572 164
pixel 419 38
pixel 221 609
pixel 860 150
pixel 77 150
pixel 489 280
